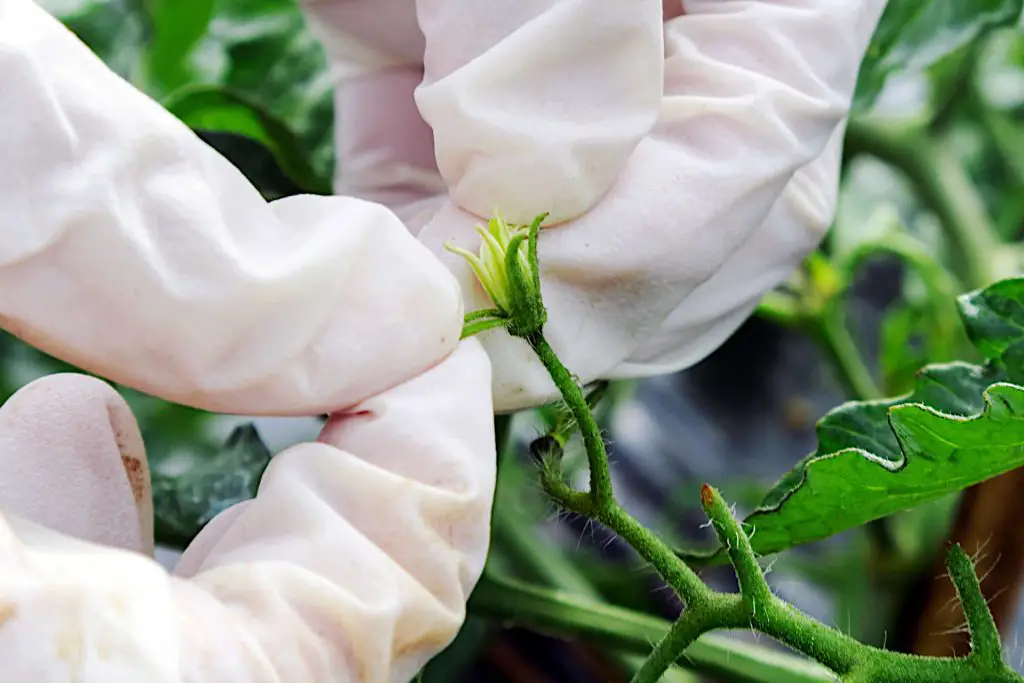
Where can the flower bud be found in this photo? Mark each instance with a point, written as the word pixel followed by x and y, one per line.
pixel 507 270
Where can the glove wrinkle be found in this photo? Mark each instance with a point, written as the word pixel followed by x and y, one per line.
pixel 353 563
pixel 688 159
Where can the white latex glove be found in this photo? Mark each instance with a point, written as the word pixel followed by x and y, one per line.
pixel 132 249
pixel 352 564
pixel 689 161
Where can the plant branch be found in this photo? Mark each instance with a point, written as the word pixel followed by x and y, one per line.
pixel 913 254
pixel 684 632
pixel 705 610
pixel 833 336
pixel 943 185
pixel 985 643
pixel 561 613
pixel 514 538
pixel 572 394
pixel 753 586
pixel 755 606
pixel 780 308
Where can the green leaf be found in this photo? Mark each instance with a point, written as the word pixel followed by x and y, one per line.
pixel 258 50
pixel 994 318
pixel 453 662
pixel 114 29
pixel 184 503
pixel 961 425
pixel 914 34
pixel 905 337
pixel 215 109
pixel 271 58
pixel 260 166
pixel 178 27
pixel 880 457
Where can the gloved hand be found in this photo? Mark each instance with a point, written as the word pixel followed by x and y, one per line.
pixel 689 160
pixel 131 249
pixel 352 564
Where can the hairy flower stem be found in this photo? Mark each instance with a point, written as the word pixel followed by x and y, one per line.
pixel 566 614
pixel 705 609
pixel 572 393
pixel 755 607
pixel 514 285
pixel 985 644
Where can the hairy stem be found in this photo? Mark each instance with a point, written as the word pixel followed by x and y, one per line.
pixel 755 607
pixel 765 611
pixel 572 394
pixel 562 613
pixel 705 609
pixel 684 632
pixel 753 586
pixel 985 643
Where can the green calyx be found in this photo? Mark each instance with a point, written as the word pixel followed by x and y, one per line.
pixel 508 271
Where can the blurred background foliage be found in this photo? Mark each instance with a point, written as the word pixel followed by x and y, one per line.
pixel 931 204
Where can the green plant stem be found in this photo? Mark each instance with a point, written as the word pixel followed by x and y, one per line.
pixel 514 536
pixel 829 328
pixel 572 394
pixel 684 633
pixel 943 288
pixel 985 643
pixel 941 283
pixel 705 610
pixel 481 324
pixel 753 586
pixel 943 185
pixel 833 336
pixel 780 308
pixel 565 614
pixel 755 606
pixel 600 503
pixel 672 570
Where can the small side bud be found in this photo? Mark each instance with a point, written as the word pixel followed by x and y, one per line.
pixel 546 448
pixel 707 497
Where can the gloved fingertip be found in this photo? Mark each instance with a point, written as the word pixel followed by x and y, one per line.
pixel 72 459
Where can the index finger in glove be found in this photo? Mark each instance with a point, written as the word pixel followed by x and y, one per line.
pixel 133 250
